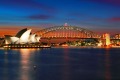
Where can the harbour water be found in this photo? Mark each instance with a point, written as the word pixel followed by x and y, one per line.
pixel 60 64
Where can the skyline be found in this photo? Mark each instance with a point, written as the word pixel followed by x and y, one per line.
pixel 100 16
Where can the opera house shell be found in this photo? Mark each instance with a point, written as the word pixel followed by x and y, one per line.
pixel 22 37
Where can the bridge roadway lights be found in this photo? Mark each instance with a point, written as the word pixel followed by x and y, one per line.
pixel 78 30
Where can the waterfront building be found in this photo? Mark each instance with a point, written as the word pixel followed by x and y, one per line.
pixel 116 40
pixel 22 37
pixel 117 36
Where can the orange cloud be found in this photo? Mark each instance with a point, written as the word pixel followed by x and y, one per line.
pixel 12 30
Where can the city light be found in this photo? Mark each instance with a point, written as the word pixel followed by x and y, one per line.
pixel 69 36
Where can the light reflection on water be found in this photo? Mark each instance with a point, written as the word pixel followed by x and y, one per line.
pixel 66 67
pixel 25 63
pixel 60 64
pixel 107 65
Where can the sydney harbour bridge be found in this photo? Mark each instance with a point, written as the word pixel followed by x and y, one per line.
pixel 66 32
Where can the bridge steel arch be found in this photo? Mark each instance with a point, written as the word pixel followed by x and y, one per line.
pixel 85 32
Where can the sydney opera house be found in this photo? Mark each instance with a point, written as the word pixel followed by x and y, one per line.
pixel 22 37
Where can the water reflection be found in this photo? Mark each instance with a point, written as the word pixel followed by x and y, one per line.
pixel 5 65
pixel 25 55
pixel 60 64
pixel 66 70
pixel 27 61
pixel 107 65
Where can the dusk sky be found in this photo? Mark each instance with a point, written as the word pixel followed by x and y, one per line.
pixel 96 15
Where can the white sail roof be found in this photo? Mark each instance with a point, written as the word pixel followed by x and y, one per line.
pixel 7 39
pixel 14 39
pixel 25 36
pixel 32 38
pixel 37 39
pixel 22 37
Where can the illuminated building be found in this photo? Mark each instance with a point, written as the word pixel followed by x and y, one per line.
pixel 22 37
pixel 117 36
pixel 116 40
pixel 100 43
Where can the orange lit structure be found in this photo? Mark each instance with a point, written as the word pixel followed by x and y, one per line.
pixel 107 39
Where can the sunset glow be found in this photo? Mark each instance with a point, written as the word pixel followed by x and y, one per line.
pixel 100 16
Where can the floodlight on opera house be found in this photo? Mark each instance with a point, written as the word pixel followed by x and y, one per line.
pixel 22 37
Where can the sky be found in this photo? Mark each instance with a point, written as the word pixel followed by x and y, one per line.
pixel 100 16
